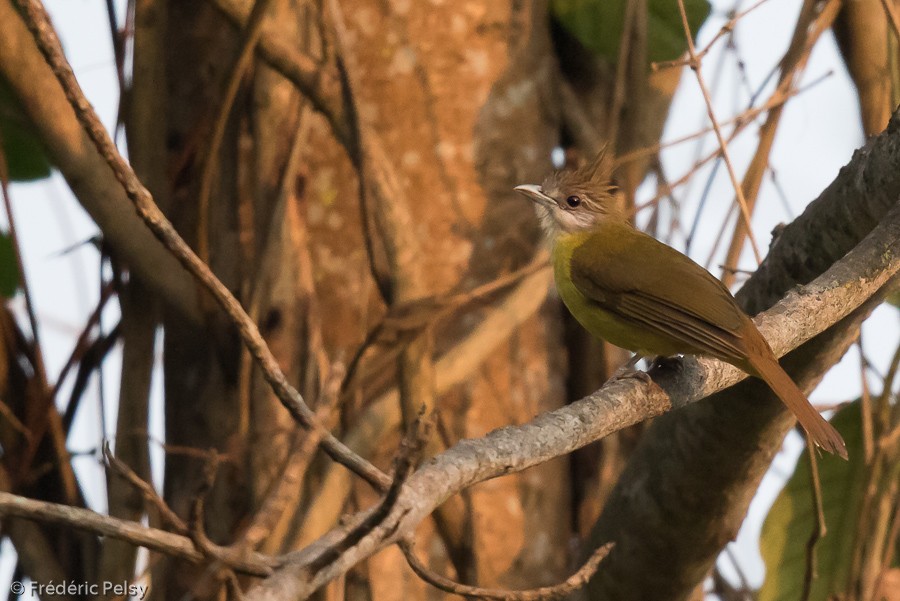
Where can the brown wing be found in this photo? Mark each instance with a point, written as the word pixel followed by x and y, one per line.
pixel 653 286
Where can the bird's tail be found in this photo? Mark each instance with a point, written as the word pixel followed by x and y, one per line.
pixel 817 428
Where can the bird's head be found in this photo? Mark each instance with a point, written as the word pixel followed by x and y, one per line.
pixel 575 199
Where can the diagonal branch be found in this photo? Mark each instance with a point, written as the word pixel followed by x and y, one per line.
pixel 154 539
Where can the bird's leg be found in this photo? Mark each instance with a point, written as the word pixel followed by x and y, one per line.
pixel 628 370
pixel 635 359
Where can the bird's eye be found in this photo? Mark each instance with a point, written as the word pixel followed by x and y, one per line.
pixel 573 201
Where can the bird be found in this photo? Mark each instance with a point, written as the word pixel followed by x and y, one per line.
pixel 628 288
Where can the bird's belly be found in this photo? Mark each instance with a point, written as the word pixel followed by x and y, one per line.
pixel 608 326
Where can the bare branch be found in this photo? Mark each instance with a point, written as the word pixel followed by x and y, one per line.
pixel 819 528
pixel 149 493
pixel 697 68
pixel 408 455
pixel 740 121
pixel 726 29
pixel 291 479
pixel 46 415
pixel 557 591
pixel 174 545
pixel 803 314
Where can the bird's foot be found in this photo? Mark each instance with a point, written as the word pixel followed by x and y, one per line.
pixel 673 363
pixel 628 371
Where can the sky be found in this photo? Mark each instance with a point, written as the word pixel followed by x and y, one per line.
pixel 819 131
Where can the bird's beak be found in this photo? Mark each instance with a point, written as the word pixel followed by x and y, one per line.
pixel 536 195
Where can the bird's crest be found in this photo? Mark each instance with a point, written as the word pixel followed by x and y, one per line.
pixel 593 178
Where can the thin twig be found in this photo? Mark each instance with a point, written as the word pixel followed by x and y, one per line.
pixel 146 489
pixel 890 549
pixel 118 44
pixel 38 23
pixel 742 120
pixel 210 469
pixel 742 577
pixel 719 236
pixel 810 26
pixel 724 590
pixel 373 168
pixel 696 67
pixel 45 415
pixel 17 425
pixel 776 100
pixel 414 316
pixel 726 29
pixel 890 439
pixel 81 344
pixel 230 557
pixel 819 529
pixel 269 259
pixel 93 357
pixel 234 586
pixel 868 426
pixel 407 458
pixel 291 478
pixel 887 388
pixel 557 591
pixel 154 539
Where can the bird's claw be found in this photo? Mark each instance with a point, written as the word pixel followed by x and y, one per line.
pixel 625 372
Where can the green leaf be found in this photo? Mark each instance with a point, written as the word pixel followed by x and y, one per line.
pixel 790 521
pixel 9 269
pixel 598 25
pixel 26 159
